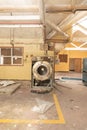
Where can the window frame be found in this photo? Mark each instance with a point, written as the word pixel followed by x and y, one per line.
pixel 63 58
pixel 12 56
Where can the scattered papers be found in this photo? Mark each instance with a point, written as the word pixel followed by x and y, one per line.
pixel 5 83
pixel 8 87
pixel 42 106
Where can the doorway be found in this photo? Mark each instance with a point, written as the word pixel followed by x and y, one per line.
pixel 75 64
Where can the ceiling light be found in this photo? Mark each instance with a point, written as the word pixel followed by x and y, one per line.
pixel 27 17
pixel 83 22
pixel 74 49
pixel 20 25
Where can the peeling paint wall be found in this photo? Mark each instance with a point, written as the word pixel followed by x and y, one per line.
pixel 22 72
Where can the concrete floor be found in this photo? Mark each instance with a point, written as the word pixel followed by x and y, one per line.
pixel 72 99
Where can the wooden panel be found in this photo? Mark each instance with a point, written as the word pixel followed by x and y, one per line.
pixel 75 64
pixel 71 64
pixel 78 64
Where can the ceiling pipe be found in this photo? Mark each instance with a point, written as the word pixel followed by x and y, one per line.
pixel 42 11
pixel 55 27
pixel 65 8
pixel 42 15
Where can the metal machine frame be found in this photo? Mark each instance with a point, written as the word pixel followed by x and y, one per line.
pixel 42 74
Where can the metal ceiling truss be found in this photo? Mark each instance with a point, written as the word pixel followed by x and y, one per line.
pixel 75 47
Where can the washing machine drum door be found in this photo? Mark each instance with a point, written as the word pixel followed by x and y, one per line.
pixel 42 70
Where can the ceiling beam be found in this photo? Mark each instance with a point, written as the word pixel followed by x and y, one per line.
pixel 71 19
pixel 21 41
pixel 83 44
pixel 73 44
pixel 56 28
pixel 49 8
pixel 58 40
pixel 65 8
pixel 79 39
pixel 67 23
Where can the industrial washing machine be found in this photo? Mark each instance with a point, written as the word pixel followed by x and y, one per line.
pixel 42 74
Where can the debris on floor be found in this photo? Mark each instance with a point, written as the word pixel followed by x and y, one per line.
pixel 42 117
pixel 14 126
pixel 56 84
pixel 31 128
pixel 71 100
pixel 5 83
pixel 71 78
pixel 42 106
pixel 9 87
pixel 29 125
pixel 77 107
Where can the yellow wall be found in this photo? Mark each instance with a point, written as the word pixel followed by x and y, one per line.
pixel 22 72
pixel 71 54
pixel 62 66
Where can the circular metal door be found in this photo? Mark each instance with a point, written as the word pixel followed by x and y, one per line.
pixel 42 70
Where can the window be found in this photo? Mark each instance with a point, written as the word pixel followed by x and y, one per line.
pixel 63 57
pixel 11 56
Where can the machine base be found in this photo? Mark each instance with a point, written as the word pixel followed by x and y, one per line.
pixel 41 89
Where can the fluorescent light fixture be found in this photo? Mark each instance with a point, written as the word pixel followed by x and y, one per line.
pixel 78 48
pixel 78 28
pixel 20 25
pixel 27 17
pixel 83 22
